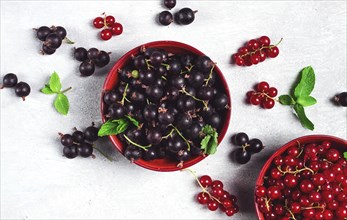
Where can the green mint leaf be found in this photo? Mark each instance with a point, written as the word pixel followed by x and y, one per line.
pixel 204 142
pixel 68 41
pixel 122 126
pixel 133 120
pixel 306 100
pixel 286 100
pixel 61 104
pixel 345 155
pixel 212 146
pixel 54 83
pixel 113 127
pixel 208 129
pixel 305 122
pixel 306 84
pixel 47 90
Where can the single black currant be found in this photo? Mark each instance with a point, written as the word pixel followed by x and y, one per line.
pixel 241 139
pixel 111 97
pixel 193 131
pixel 78 136
pixel 93 53
pixel 205 93
pixel 102 59
pixel 183 155
pixel 66 139
pixel 215 120
pixel 47 50
pixel 9 80
pixel 174 66
pixel 70 152
pixel 132 153
pixel 147 77
pixel 183 121
pixel 154 93
pixel 22 89
pixel 160 82
pixel 176 144
pixel 185 16
pixel 187 60
pixel 170 3
pixel 60 31
pixel 172 93
pixel 341 99
pixel 255 145
pixel 85 149
pixel 53 41
pixel 42 32
pixel 220 101
pixel 91 133
pixel 87 68
pixel 196 79
pixel 154 136
pixel 242 156
pixel 165 118
pixel 80 54
pixel 150 112
pixel 150 154
pixel 156 58
pixel 161 71
pixel 165 18
pixel 177 81
pixel 137 97
pixel 116 111
pixel 161 152
pixel 204 63
pixel 130 108
pixel 140 62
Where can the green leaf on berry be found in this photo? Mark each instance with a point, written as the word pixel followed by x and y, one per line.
pixel 306 84
pixel 54 83
pixel 113 127
pixel 210 142
pixel 286 100
pixel 61 104
pixel 306 100
pixel 133 120
pixel 47 90
pixel 345 155
pixel 299 109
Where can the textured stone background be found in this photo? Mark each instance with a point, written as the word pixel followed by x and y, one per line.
pixel 38 183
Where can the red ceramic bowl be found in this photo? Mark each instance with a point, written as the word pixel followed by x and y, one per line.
pixel 337 143
pixel 112 80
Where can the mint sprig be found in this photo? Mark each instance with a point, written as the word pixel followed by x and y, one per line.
pixel 210 142
pixel 118 126
pixel 301 96
pixel 61 102
pixel 345 155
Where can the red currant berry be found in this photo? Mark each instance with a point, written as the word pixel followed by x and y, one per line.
pixel 233 198
pixel 217 192
pixel 329 175
pixel 262 86
pixel 318 179
pixel 332 155
pixel 239 61
pixel 296 194
pixel 319 216
pixel 290 180
pixel 309 213
pixel 212 205
pixel 264 207
pixel 227 203
pixel 217 184
pixel 203 198
pixel 279 209
pixel 225 195
pixel 98 22
pixel 333 205
pixel 260 191
pixel 341 212
pixel 235 56
pixel 110 20
pixel 117 29
pixel 255 100
pixel 271 216
pixel 295 207
pixel 273 192
pixel 306 186
pixel 272 92
pixel 243 50
pixel 248 61
pixel 250 94
pixel 326 145
pixel 275 173
pixel 230 212
pixel 106 34
pixel 314 196
pixel 253 44
pixel 255 59
pixel 304 201
pixel 268 103
pixel 278 161
pixel 264 41
pixel 205 181
pixel 273 52
pixel 328 215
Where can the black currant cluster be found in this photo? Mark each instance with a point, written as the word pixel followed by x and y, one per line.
pixel 172 96
pixel 22 89
pixel 91 58
pixel 79 143
pixel 52 38
pixel 184 16
pixel 341 99
pixel 249 147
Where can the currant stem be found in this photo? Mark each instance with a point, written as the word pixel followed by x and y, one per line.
pixel 169 134
pixel 124 94
pixel 210 75
pixel 164 78
pixel 183 90
pixel 102 153
pixel 65 90
pixel 181 135
pixel 136 144
pixel 149 66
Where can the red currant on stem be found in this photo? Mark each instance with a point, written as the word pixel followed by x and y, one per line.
pixel 264 41
pixel 110 20
pixel 106 34
pixel 98 22
pixel 117 29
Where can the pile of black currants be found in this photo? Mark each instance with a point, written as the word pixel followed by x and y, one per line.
pixel 173 97
pixel 184 16
pixel 22 89
pixel 79 143
pixel 52 38
pixel 249 147
pixel 91 58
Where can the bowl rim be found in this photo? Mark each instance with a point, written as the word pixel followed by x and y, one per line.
pixel 166 43
pixel 282 149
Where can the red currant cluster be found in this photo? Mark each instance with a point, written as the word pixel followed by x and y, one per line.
pixel 264 95
pixel 256 51
pixel 111 27
pixel 305 182
pixel 216 197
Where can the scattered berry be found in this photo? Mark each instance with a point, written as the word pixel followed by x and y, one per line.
pixel 264 95
pixel 9 80
pixel 22 89
pixel 185 16
pixel 165 18
pixel 249 147
pixel 109 25
pixel 170 3
pixel 91 58
pixel 341 99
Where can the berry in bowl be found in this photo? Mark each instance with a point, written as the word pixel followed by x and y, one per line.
pixel 304 179
pixel 165 106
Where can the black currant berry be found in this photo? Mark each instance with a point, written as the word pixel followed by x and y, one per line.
pixel 185 16
pixel 161 71
pixel 93 53
pixel 193 131
pixel 53 41
pixel 125 75
pixel 241 139
pixel 160 82
pixel 111 97
pixel 47 50
pixel 134 134
pixel 206 93
pixel 183 155
pixel 186 60
pixel 175 144
pixel 255 145
pixel 183 121
pixel 137 97
pixel 80 54
pixel 172 93
pixel 165 118
pixel 174 66
pixel 60 31
pixel 156 58
pixel 195 151
pixel 185 103
pixel 147 77
pixel 161 152
pixel 140 62
pixel 132 153
pixel 85 149
pixel 116 111
pixel 177 81
pixel 204 63
pixel 154 136
pixel 91 133
pixel 242 156
pixel 165 18
pixel 70 152
pixel 102 59
pixel 66 139
pixel 9 80
pixel 215 120
pixel 150 112
pixel 87 68
pixel 78 136
pixel 220 101
pixel 130 108
pixel 148 51
pixel 150 154
pixel 154 92
pixel 43 32
pixel 196 79
pixel 170 3
pixel 341 99
pixel 22 89
pixel 206 112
